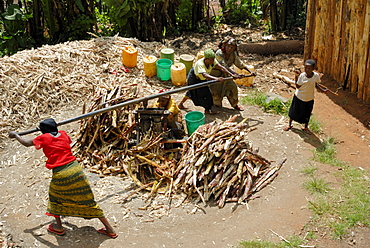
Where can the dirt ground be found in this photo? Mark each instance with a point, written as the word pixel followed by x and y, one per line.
pixel 281 208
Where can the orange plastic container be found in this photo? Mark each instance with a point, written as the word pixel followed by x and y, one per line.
pixel 150 67
pixel 178 74
pixel 129 56
pixel 247 81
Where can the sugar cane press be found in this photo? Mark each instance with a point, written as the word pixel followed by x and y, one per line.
pixel 147 119
pixel 154 121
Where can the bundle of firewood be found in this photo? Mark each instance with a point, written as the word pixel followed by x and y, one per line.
pixel 219 163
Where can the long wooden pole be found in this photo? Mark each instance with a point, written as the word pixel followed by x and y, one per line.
pixel 130 102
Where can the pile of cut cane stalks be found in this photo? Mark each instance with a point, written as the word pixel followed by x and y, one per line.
pixel 219 163
pixel 216 163
pixel 103 140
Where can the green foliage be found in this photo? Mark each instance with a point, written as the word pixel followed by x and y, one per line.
pixel 256 244
pixel 80 5
pixel 69 20
pixel 184 16
pixel 292 241
pixel 300 19
pixel 346 207
pixel 79 27
pixel 320 206
pixel 316 185
pixel 275 106
pixel 243 11
pixel 13 36
pixel 309 170
pixel 120 11
pixel 104 25
pixel 314 125
pixel 326 153
pixel 219 19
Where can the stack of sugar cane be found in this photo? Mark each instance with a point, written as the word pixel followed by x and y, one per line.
pixel 103 142
pixel 218 163
pixel 102 138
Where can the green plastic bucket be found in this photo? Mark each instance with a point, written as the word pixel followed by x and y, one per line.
pixel 193 120
pixel 168 53
pixel 164 69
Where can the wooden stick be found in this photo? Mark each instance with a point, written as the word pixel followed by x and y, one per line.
pixel 291 83
pixel 282 238
pixel 136 191
pixel 285 79
pixel 129 102
pixel 324 88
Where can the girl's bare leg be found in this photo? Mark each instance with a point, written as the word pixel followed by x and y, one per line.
pixel 289 125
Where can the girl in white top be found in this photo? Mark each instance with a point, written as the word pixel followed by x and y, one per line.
pixel 303 100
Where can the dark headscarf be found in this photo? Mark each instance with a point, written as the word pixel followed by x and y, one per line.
pixel 310 62
pixel 49 126
pixel 228 41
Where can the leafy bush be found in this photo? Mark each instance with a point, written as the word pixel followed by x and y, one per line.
pixel 243 11
pixel 13 31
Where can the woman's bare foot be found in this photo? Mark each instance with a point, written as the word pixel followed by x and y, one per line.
pixel 58 230
pixel 287 128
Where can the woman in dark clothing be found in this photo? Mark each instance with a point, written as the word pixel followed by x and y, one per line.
pixel 200 73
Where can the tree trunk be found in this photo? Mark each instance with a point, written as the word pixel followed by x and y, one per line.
pixel 197 12
pixel 265 9
pixel 222 4
pixel 283 14
pixel 274 16
pixel 36 28
pixel 273 47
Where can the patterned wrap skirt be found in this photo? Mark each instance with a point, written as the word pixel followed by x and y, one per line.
pixel 300 111
pixel 227 88
pixel 70 193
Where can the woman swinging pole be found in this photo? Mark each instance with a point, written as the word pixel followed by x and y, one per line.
pixel 70 193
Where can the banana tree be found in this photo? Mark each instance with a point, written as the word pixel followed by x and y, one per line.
pixel 13 30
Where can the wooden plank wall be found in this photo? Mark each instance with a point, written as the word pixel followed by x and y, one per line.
pixel 338 39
